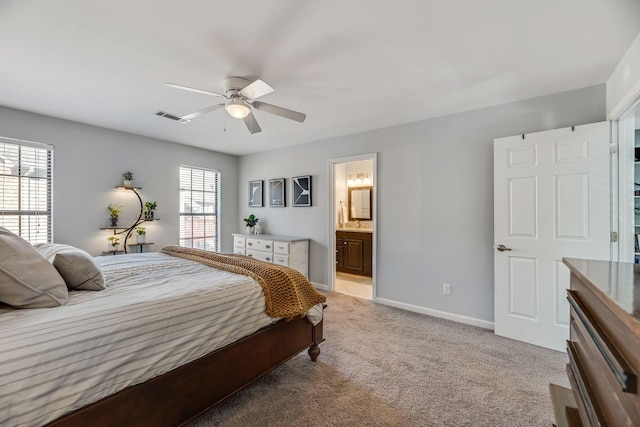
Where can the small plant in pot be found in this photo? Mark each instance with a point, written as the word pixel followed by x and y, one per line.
pixel 128 179
pixel 114 242
pixel 251 222
pixel 114 214
pixel 149 207
pixel 141 235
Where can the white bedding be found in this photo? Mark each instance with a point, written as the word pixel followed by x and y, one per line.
pixel 157 313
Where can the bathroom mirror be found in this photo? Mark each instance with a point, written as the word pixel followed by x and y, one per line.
pixel 360 203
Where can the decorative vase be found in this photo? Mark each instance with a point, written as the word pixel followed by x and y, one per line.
pixel 128 183
pixel 249 230
pixel 141 238
pixel 257 229
pixel 114 222
pixel 113 247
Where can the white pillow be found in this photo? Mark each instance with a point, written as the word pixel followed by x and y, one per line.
pixel 78 269
pixel 27 280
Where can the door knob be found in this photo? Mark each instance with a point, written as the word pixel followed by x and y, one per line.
pixel 502 248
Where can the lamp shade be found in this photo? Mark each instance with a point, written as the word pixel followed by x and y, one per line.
pixel 238 109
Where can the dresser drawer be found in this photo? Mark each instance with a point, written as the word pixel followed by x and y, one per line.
pixel 259 244
pixel 281 248
pixel 239 251
pixel 281 260
pixel 262 256
pixel 238 241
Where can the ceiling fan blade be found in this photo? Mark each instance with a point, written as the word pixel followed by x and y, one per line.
pixel 256 89
pixel 280 111
pixel 195 114
pixel 192 89
pixel 252 124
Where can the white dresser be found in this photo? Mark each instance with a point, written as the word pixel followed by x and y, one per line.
pixel 282 250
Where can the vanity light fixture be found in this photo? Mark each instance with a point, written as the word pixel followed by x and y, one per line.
pixel 360 179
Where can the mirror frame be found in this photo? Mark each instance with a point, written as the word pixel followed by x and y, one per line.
pixel 370 188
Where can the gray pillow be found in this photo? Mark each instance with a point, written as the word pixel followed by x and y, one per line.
pixel 78 269
pixel 27 280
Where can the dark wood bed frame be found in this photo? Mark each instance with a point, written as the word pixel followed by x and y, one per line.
pixel 184 393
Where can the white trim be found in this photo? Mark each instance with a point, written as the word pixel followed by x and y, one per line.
pixel 331 229
pixel 321 286
pixel 437 313
pixel 626 104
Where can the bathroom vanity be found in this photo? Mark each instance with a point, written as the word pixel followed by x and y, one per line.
pixel 354 251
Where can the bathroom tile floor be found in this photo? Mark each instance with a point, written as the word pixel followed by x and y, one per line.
pixel 351 284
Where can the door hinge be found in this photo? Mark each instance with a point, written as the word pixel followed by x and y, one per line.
pixel 614 236
pixel 613 148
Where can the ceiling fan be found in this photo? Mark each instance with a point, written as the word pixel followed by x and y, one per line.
pixel 240 95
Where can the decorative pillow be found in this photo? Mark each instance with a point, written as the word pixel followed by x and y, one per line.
pixel 78 269
pixel 27 280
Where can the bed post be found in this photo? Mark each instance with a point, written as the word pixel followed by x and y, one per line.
pixel 317 338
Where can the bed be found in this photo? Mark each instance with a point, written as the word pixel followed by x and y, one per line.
pixel 166 339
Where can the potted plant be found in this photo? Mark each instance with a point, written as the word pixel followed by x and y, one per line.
pixel 149 207
pixel 128 179
pixel 251 221
pixel 114 242
pixel 141 235
pixel 114 214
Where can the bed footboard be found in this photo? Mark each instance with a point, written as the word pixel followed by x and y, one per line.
pixel 184 393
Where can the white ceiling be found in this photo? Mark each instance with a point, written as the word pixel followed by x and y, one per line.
pixel 350 65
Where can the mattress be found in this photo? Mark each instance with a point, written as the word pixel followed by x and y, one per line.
pixel 158 313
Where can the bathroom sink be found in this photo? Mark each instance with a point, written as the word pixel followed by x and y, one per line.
pixel 355 230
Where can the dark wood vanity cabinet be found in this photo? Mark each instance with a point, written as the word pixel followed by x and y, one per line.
pixel 354 252
pixel 604 348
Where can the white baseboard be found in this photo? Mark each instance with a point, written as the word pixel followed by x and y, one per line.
pixel 436 313
pixel 320 286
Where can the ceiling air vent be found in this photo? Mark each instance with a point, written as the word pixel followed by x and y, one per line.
pixel 171 116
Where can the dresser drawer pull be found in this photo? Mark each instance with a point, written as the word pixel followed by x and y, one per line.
pixel 249 243
pixel 616 362
pixel 268 246
pixel 268 259
pixel 576 370
pixel 251 255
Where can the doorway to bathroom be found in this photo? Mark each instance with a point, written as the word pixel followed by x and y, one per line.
pixel 353 224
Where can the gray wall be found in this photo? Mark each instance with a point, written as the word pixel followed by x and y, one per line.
pixel 435 197
pixel 88 164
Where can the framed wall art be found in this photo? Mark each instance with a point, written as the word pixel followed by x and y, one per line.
pixel 301 190
pixel 277 193
pixel 255 194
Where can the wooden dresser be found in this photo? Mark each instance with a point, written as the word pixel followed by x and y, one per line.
pixel 604 346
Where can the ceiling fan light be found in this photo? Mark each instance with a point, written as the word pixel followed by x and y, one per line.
pixel 238 109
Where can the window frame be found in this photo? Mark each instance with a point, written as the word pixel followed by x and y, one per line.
pixel 215 214
pixel 28 233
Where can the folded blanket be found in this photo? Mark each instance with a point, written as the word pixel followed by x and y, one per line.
pixel 288 294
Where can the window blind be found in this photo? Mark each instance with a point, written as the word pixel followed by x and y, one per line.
pixel 25 189
pixel 199 208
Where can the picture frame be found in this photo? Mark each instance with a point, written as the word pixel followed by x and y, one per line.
pixel 277 193
pixel 301 190
pixel 255 194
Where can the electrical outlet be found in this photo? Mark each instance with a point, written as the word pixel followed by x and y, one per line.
pixel 446 289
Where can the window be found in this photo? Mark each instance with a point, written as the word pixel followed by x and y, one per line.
pixel 199 201
pixel 25 189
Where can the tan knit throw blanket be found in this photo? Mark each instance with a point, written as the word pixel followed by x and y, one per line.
pixel 287 293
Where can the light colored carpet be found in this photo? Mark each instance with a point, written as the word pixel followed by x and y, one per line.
pixel 381 366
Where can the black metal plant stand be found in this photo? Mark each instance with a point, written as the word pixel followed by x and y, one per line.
pixel 128 230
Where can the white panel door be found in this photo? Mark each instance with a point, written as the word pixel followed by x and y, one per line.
pixel 551 200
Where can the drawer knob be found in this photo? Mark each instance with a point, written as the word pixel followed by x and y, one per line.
pixel 268 259
pixel 251 255
pixel 268 246
pixel 250 244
